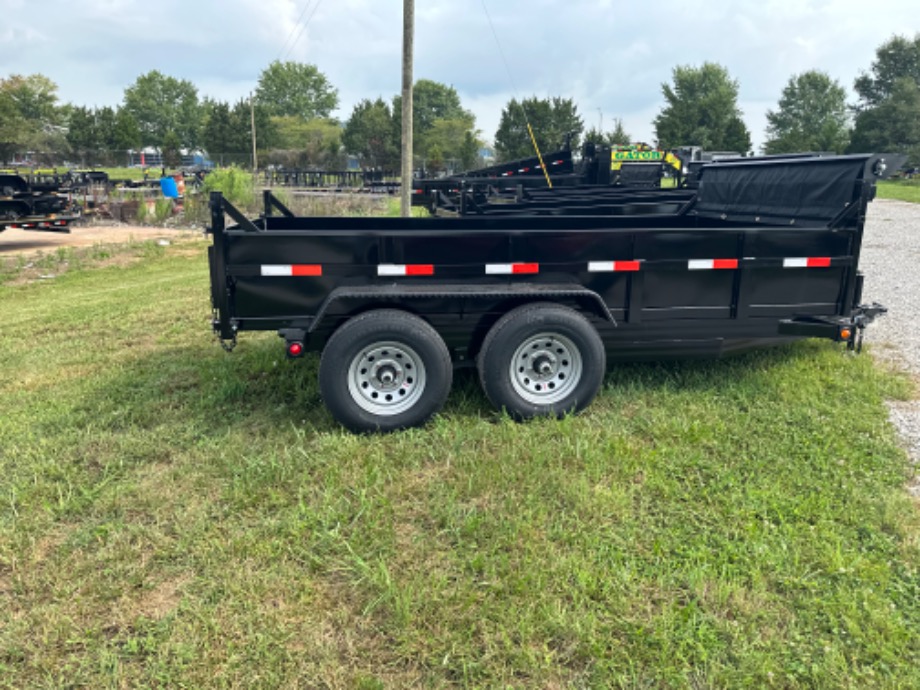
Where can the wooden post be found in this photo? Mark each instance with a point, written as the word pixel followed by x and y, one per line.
pixel 252 116
pixel 405 178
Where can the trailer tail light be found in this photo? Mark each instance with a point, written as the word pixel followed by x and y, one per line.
pixel 295 349
pixel 845 333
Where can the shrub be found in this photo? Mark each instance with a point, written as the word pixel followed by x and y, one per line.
pixel 235 184
pixel 163 209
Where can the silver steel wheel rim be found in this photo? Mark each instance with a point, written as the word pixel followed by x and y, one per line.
pixel 546 368
pixel 386 378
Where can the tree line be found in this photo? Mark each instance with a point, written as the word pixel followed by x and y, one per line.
pixel 293 104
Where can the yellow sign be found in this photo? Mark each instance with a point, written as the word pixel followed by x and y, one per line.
pixel 636 155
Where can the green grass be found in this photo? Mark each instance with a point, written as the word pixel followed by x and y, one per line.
pixel 174 516
pixel 903 190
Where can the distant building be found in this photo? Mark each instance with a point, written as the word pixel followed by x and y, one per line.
pixel 151 157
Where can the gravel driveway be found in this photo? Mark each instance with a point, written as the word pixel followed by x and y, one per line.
pixel 891 261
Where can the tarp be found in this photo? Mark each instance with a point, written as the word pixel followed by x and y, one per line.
pixel 815 189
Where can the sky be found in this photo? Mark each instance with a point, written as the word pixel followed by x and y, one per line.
pixel 610 56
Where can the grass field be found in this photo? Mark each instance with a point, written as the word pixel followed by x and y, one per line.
pixel 903 190
pixel 174 516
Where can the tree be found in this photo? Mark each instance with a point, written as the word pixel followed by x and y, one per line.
pixel 702 110
pixel 309 143
pixel 893 125
pixel 81 130
pixel 897 58
pixel 296 89
pixel 445 133
pixel 553 120
pixel 218 135
pixel 888 114
pixel 162 104
pixel 14 129
pixel 453 141
pixel 35 97
pixel 241 123
pixel 172 156
pixel 102 132
pixel 369 134
pixel 811 116
pixel 431 101
pixel 105 125
pixel 29 116
pixel 618 136
pixel 127 134
pixel 227 131
pixel 469 151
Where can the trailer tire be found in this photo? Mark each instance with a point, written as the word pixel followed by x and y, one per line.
pixel 542 360
pixel 385 370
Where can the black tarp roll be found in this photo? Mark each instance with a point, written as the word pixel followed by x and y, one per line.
pixel 814 189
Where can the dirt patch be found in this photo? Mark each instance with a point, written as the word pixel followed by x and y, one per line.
pixel 154 603
pixel 27 242
pixel 162 599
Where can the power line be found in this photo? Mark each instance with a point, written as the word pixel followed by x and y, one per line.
pixel 302 29
pixel 514 90
pixel 294 29
pixel 514 95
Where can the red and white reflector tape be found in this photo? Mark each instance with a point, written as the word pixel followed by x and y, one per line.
pixel 511 269
pixel 807 262
pixel 711 264
pixel 405 270
pixel 612 266
pixel 292 270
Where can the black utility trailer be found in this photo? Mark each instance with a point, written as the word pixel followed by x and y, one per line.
pixel 762 252
pixel 34 205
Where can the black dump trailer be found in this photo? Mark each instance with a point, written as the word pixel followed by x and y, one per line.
pixel 35 205
pixel 763 251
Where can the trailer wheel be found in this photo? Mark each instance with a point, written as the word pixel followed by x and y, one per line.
pixel 385 370
pixel 542 360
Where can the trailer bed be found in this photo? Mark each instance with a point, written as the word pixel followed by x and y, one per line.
pixel 763 251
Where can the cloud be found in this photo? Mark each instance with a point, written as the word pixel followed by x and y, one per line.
pixel 606 55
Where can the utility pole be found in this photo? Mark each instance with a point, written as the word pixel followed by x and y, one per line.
pixel 252 117
pixel 405 177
